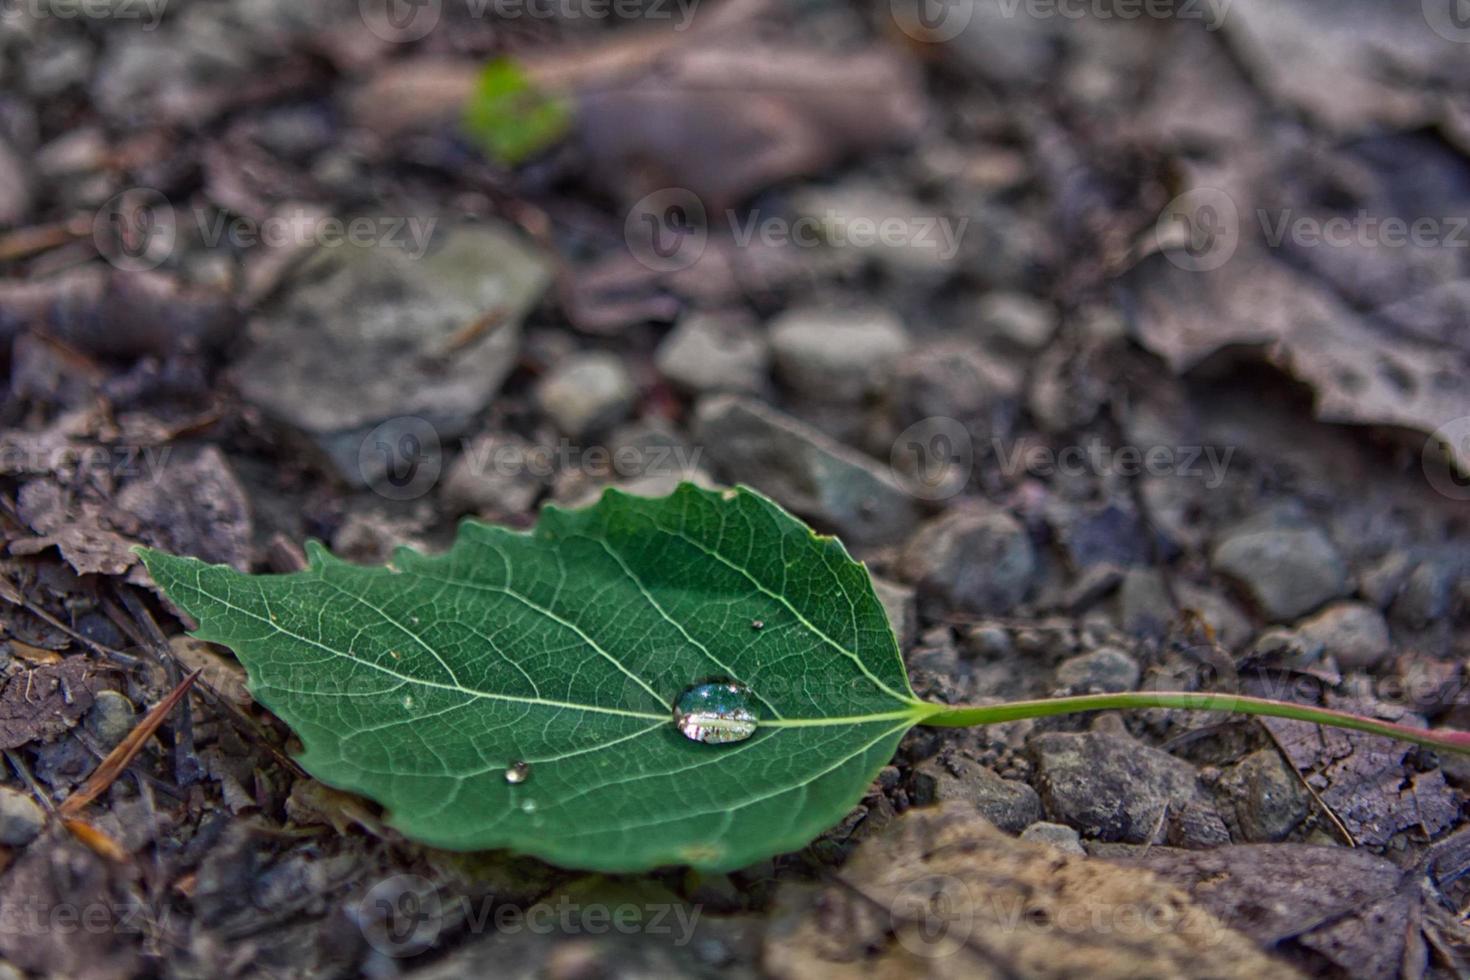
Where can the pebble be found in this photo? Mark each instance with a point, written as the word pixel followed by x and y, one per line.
pixel 1109 787
pixel 1060 836
pixel 21 818
pixel 110 718
pixel 979 559
pixel 495 475
pixel 1266 797
pixel 1288 568
pixel 587 393
pixel 1106 669
pixel 898 603
pixel 1008 803
pixel 709 353
pixel 804 470
pixel 1354 633
pixel 837 355
pixel 1017 322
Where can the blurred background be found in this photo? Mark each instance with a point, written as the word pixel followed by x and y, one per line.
pixel 1125 340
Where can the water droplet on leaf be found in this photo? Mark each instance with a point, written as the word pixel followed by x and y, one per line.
pixel 408 700
pixel 715 712
pixel 518 772
pixel 757 624
pixel 528 806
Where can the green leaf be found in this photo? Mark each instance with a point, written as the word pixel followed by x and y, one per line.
pixel 510 117
pixel 420 683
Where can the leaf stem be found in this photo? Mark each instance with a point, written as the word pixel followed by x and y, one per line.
pixel 963 716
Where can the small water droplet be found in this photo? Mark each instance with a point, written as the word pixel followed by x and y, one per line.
pixel 757 624
pixel 528 806
pixel 408 700
pixel 518 772
pixel 715 712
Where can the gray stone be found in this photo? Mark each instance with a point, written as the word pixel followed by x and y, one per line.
pixel 1144 607
pixel 1265 796
pixel 1060 836
pixel 367 334
pixel 855 215
pixel 898 603
pixel 1288 568
pixel 496 475
pixel 1009 804
pixel 21 818
pixel 709 353
pixel 1107 669
pixel 110 718
pixel 1015 321
pixel 1427 594
pixel 958 381
pixel 804 470
pixel 1354 633
pixel 837 355
pixel 989 642
pixel 1109 787
pixel 587 393
pixel 978 558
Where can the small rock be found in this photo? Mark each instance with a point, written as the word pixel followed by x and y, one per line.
pixel 1286 648
pixel 1102 534
pixel 15 186
pixel 587 394
pixel 802 469
pixel 1060 836
pixel 1427 594
pixel 1109 787
pixel 1014 321
pixel 989 642
pixel 1107 669
pixel 494 476
pixel 1144 607
pixel 1266 797
pixel 898 603
pixel 979 559
pixel 21 818
pixel 1009 804
pixel 110 718
pixel 708 353
pixel 958 381
pixel 1354 633
pixel 371 333
pixel 837 355
pixel 1288 568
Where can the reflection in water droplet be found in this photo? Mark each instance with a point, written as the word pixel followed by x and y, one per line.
pixel 518 772
pixel 528 806
pixel 715 712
